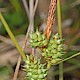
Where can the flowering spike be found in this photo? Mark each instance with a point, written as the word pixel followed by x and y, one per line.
pixel 35 70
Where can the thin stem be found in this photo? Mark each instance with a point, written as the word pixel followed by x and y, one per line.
pixel 18 65
pixel 12 36
pixel 26 7
pixel 59 18
pixel 35 7
pixel 61 71
pixel 60 32
pixel 31 7
pixel 69 69
pixel 69 58
pixel 17 68
pixel 29 13
pixel 48 65
pixel 24 45
pixel 16 5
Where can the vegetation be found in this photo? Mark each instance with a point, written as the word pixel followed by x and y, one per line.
pixel 13 20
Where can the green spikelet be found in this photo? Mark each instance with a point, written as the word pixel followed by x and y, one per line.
pixel 54 50
pixel 35 70
pixel 37 39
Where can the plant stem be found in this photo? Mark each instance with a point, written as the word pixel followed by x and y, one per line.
pixel 69 69
pixel 60 32
pixel 61 71
pixel 17 68
pixel 59 18
pixel 48 65
pixel 69 58
pixel 26 7
pixel 12 36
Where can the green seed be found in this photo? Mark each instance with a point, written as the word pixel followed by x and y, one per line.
pixel 49 48
pixel 31 41
pixel 60 46
pixel 57 36
pixel 27 66
pixel 58 41
pixel 43 37
pixel 39 71
pixel 45 75
pixel 60 49
pixel 30 70
pixel 49 54
pixel 60 54
pixel 34 76
pixel 44 42
pixel 53 61
pixel 54 46
pixel 54 56
pixel 38 33
pixel 43 53
pixel 29 74
pixel 35 61
pixel 41 76
pixel 27 62
pixel 43 49
pixel 31 79
pixel 40 38
pixel 44 70
pixel 54 51
pixel 35 40
pixel 33 36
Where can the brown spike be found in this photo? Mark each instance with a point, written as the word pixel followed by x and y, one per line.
pixel 51 18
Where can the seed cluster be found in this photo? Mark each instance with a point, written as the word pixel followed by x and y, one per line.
pixel 35 70
pixel 37 39
pixel 54 50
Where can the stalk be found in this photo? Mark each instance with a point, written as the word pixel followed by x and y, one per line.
pixel 12 36
pixel 77 54
pixel 59 18
pixel 69 69
pixel 60 32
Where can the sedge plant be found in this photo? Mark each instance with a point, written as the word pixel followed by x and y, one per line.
pixel 51 46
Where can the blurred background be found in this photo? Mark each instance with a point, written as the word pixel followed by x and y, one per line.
pixel 18 21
